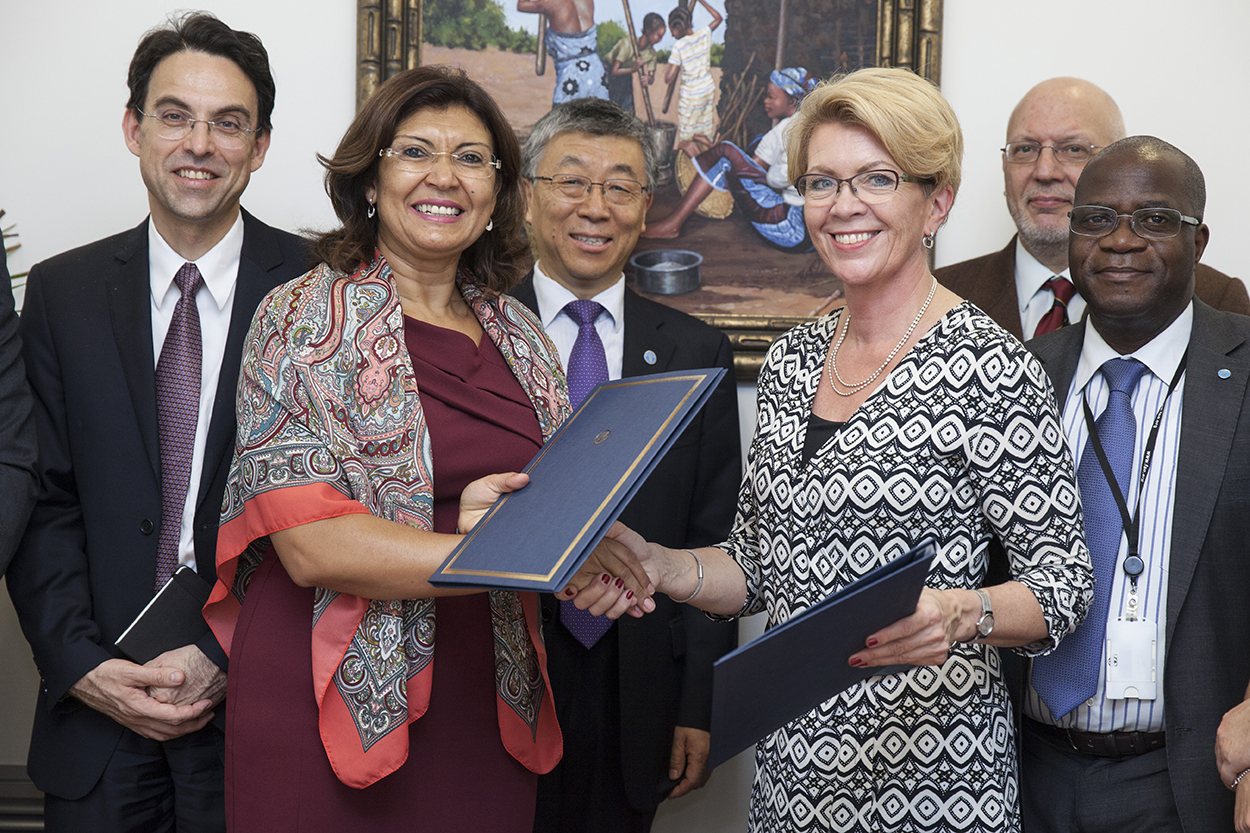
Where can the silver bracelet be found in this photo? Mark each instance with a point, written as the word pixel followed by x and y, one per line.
pixel 699 586
pixel 1236 780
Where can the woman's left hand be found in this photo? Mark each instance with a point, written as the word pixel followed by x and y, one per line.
pixel 481 494
pixel 924 638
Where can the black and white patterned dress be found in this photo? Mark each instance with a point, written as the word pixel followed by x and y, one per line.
pixel 960 442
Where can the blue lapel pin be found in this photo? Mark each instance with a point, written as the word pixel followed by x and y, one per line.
pixel 649 357
pixel 1224 373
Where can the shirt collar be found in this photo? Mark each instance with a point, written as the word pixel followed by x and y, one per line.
pixel 553 296
pixel 219 266
pixel 1031 273
pixel 1161 354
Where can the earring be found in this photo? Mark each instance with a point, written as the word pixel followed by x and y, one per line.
pixel 490 224
pixel 928 240
pixel 373 209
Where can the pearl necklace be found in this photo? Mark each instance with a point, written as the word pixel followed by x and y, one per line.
pixel 832 365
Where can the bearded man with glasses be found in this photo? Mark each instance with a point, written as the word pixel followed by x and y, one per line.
pixel 132 347
pixel 1053 132
pixel 634 702
pixel 1120 721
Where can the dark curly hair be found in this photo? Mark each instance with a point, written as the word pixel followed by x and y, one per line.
pixel 202 32
pixel 492 259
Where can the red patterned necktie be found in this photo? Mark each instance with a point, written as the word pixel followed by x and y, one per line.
pixel 1057 315
pixel 177 412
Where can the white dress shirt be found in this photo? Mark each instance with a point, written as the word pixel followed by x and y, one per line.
pixel 220 269
pixel 1035 302
pixel 552 298
pixel 1161 356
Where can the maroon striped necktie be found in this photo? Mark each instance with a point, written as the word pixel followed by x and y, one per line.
pixel 177 412
pixel 1057 315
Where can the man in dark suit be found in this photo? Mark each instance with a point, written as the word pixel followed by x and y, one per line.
pixel 17 430
pixel 634 704
pixel 132 348
pixel 1120 736
pixel 1055 129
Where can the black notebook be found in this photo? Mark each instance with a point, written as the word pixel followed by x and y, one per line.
pixel 799 664
pixel 174 618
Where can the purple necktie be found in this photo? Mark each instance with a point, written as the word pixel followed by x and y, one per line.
pixel 177 412
pixel 1068 676
pixel 588 366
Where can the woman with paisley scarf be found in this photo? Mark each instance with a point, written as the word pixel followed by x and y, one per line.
pixel 379 394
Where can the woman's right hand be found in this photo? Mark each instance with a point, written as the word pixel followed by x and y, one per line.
pixel 480 495
pixel 613 581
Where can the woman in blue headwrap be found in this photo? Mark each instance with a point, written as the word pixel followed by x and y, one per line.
pixel 759 182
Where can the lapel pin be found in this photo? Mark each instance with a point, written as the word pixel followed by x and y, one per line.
pixel 649 357
pixel 1224 373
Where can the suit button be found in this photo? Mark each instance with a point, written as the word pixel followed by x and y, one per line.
pixel 146 526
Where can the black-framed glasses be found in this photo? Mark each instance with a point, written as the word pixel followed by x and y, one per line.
pixel 1148 223
pixel 872 187
pixel 416 159
pixel 176 124
pixel 1069 153
pixel 573 188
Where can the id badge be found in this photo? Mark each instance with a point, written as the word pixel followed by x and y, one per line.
pixel 1132 651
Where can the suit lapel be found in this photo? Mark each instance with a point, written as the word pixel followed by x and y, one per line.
pixel 644 335
pixel 260 255
pixel 1060 352
pixel 1209 417
pixel 1004 305
pixel 130 308
pixel 524 292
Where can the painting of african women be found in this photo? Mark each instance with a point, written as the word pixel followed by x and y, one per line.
pixel 716 85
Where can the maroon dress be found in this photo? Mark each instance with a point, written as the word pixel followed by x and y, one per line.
pixel 458 776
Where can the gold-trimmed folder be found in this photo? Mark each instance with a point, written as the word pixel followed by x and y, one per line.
pixel 580 482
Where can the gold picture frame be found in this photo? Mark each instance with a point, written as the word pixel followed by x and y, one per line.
pixel 908 34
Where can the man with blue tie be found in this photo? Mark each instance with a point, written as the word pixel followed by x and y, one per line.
pixel 1120 720
pixel 634 697
pixel 132 347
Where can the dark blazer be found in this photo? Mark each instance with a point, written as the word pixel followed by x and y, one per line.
pixel 1207 660
pixel 87 564
pixel 688 501
pixel 990 283
pixel 17 428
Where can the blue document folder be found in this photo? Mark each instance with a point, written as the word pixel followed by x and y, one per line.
pixel 580 482
pixel 797 665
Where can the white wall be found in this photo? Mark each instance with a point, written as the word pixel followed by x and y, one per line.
pixel 1178 71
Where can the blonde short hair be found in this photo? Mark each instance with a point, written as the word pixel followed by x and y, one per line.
pixel 906 113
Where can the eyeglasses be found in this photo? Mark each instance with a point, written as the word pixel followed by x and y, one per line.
pixel 1148 223
pixel 470 164
pixel 570 188
pixel 1069 153
pixel 177 124
pixel 872 187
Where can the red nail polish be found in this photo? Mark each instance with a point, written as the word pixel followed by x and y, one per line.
pixel 629 594
pixel 606 578
pixel 856 662
pixel 872 643
pixel 620 582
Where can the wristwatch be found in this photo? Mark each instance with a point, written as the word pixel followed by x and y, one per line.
pixel 985 625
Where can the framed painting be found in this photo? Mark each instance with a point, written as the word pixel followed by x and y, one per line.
pixel 716 264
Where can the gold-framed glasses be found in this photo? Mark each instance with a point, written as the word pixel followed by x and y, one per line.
pixel 1068 153
pixel 573 188
pixel 416 159
pixel 175 124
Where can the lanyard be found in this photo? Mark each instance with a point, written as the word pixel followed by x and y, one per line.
pixel 1132 563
